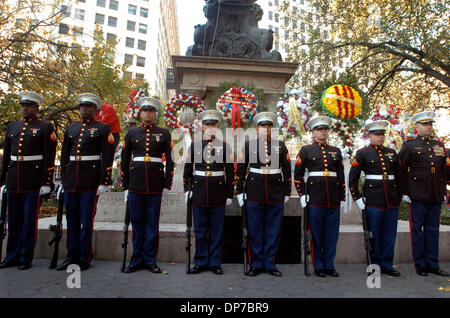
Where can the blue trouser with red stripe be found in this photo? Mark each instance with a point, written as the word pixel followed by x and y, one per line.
pixel 383 225
pixel 80 213
pixel 324 224
pixel 144 216
pixel 264 223
pixel 424 220
pixel 208 228
pixel 23 209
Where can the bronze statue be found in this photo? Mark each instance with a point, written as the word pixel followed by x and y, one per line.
pixel 232 31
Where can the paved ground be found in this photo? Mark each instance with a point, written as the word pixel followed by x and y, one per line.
pixel 104 279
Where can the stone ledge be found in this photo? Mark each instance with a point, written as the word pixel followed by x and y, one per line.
pixel 108 238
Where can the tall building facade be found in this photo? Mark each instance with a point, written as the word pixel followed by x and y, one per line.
pixel 146 32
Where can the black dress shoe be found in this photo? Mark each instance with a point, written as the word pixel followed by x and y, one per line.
pixel 422 272
pixel 437 271
pixel 154 268
pixel 216 270
pixel 320 273
pixel 331 272
pixel 197 269
pixel 63 266
pixel 275 272
pixel 8 264
pixel 390 272
pixel 253 271
pixel 132 269
pixel 25 266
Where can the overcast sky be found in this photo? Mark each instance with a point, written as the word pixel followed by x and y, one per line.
pixel 190 13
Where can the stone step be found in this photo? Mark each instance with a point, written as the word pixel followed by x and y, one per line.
pixel 108 237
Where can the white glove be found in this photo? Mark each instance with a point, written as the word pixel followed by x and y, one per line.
pixel 406 199
pixel 229 201
pixel 101 188
pixel 240 198
pixel 3 189
pixel 44 190
pixel 360 203
pixel 303 200
pixel 286 198
pixel 445 199
pixel 344 152
pixel 186 194
pixel 165 191
pixel 125 196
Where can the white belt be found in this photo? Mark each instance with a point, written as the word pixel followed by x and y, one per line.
pixel 379 177
pixel 147 159
pixel 265 171
pixel 84 158
pixel 209 173
pixel 27 158
pixel 322 174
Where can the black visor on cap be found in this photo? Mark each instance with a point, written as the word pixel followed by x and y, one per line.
pixel 87 104
pixel 377 132
pixel 321 127
pixel 28 102
pixel 426 122
pixel 210 122
pixel 265 122
pixel 149 107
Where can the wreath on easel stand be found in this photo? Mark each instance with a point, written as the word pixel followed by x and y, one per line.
pixel 238 106
pixel 182 111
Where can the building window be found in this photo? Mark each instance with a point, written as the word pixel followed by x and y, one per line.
pixel 143 28
pixel 63 28
pixel 127 75
pixel 77 31
pixel 84 1
pixel 144 12
pixel 98 36
pixel 79 14
pixel 110 36
pixel 132 9
pixel 286 35
pixel 131 26
pixel 286 48
pixel 129 42
pixel 270 15
pixel 99 19
pixel 140 61
pixel 270 27
pixel 139 76
pixel 114 5
pixel 276 17
pixel 101 3
pixel 302 1
pixel 277 45
pixel 65 11
pixel 302 28
pixel 294 24
pixel 276 31
pixel 276 3
pixel 141 45
pixel 112 22
pixel 128 59
pixel 294 9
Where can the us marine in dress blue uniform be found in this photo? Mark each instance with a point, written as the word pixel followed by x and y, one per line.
pixel 27 173
pixel 145 180
pixel 86 164
pixel 423 180
pixel 323 190
pixel 381 195
pixel 210 167
pixel 267 188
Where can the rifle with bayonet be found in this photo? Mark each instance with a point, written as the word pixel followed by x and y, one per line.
pixel 3 218
pixel 188 227
pixel 244 231
pixel 57 228
pixel 126 225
